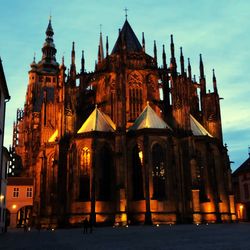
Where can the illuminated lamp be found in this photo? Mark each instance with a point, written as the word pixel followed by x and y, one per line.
pixel 14 206
pixel 1 197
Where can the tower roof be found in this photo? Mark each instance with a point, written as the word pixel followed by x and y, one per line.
pixel 3 82
pixel 128 38
pixel 197 128
pixel 149 119
pixel 97 121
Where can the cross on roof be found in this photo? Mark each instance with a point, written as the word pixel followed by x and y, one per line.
pixel 126 12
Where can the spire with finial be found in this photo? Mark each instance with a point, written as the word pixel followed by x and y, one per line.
pixel 83 62
pixel 189 70
pixel 182 62
pixel 214 83
pixel 49 50
pixel 164 57
pixel 107 46
pixel 155 51
pixel 143 42
pixel 33 65
pixel 126 13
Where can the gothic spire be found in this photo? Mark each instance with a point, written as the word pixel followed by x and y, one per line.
pixel 202 76
pixel 143 42
pixel 182 62
pixel 73 65
pixel 172 60
pixel 107 46
pixel 155 51
pixel 164 57
pixel 83 62
pixel 214 83
pixel 189 70
pixel 100 49
pixel 49 50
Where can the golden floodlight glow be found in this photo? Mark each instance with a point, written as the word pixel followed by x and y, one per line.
pixel 1 197
pixel 14 206
pixel 241 206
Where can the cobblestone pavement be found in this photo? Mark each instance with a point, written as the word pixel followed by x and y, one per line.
pixel 190 237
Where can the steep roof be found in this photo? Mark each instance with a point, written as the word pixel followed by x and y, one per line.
pixel 149 119
pixel 197 128
pixel 97 121
pixel 127 36
pixel 20 181
pixel 244 167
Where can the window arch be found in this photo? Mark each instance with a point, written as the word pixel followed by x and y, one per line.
pixel 137 178
pixel 158 172
pixel 84 193
pixel 135 96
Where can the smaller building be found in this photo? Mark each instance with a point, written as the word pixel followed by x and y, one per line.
pixel 19 201
pixel 241 183
pixel 4 97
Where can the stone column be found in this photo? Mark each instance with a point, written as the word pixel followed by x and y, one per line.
pixel 196 206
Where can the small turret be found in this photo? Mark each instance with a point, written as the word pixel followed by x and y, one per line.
pixel 202 75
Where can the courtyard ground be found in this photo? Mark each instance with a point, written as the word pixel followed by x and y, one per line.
pixel 190 237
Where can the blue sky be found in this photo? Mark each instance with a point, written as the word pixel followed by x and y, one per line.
pixel 217 29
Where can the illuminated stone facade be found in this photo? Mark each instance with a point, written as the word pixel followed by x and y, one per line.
pixel 131 142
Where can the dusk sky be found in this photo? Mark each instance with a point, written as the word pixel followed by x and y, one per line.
pixel 219 30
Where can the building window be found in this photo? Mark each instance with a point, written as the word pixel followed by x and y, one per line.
pixel 246 191
pixel 158 173
pixel 16 192
pixel 135 102
pixel 84 192
pixel 29 192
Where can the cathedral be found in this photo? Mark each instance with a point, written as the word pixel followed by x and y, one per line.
pixel 132 142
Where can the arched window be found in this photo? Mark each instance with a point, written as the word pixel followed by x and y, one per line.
pixel 84 193
pixel 137 179
pixel 158 173
pixel 105 174
pixel 135 96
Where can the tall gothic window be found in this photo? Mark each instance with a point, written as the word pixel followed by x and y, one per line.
pixel 105 174
pixel 135 96
pixel 137 178
pixel 158 173
pixel 84 193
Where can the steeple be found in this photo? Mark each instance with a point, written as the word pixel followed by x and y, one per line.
pixel 49 50
pixel 214 83
pixel 189 70
pixel 182 62
pixel 155 51
pixel 127 38
pixel 83 62
pixel 73 65
pixel 202 77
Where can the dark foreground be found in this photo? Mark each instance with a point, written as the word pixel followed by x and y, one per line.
pixel 190 237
